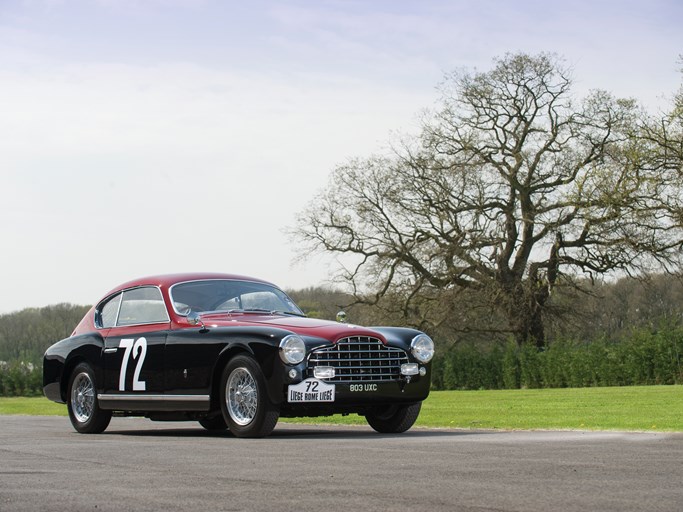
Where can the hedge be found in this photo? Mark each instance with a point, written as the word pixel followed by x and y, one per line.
pixel 643 358
pixel 20 379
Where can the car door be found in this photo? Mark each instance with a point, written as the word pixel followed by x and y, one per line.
pixel 189 361
pixel 134 345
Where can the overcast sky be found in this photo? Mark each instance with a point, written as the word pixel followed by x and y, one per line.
pixel 151 136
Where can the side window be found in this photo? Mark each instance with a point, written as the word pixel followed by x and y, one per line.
pixel 107 312
pixel 142 306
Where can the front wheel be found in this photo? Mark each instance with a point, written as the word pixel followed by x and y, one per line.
pixel 247 410
pixel 214 424
pixel 393 419
pixel 84 409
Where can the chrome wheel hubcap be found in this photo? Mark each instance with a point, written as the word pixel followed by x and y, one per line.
pixel 241 396
pixel 82 397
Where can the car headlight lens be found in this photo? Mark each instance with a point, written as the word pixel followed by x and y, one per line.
pixel 422 348
pixel 292 349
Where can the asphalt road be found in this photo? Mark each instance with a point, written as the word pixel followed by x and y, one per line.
pixel 140 465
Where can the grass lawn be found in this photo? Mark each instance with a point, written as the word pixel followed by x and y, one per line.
pixel 643 408
pixel 652 408
pixel 646 408
pixel 33 406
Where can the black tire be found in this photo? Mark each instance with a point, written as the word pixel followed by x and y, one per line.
pixel 214 424
pixel 246 408
pixel 394 419
pixel 84 408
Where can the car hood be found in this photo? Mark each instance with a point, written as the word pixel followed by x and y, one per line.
pixel 332 331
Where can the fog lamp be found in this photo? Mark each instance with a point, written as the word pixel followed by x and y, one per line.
pixel 409 369
pixel 324 372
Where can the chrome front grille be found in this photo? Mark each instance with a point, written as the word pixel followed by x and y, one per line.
pixel 359 359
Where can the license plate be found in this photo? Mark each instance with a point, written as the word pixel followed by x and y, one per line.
pixel 311 390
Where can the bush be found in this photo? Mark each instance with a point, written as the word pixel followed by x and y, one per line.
pixel 466 367
pixel 20 379
pixel 642 358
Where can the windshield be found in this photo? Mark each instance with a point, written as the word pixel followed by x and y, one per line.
pixel 230 295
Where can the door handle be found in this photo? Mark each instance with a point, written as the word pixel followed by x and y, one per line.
pixel 110 350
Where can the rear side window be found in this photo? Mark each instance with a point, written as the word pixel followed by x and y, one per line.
pixel 133 307
pixel 142 306
pixel 109 311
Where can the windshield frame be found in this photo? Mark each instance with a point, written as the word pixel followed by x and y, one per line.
pixel 267 287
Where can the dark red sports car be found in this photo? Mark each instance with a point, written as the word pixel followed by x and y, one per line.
pixel 233 353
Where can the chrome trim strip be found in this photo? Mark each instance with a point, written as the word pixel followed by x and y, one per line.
pixel 153 398
pixel 118 308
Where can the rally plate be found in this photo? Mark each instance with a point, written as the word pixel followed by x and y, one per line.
pixel 311 390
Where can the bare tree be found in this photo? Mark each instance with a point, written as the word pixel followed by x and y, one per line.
pixel 665 134
pixel 511 188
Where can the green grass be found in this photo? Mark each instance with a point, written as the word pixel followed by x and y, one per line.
pixel 650 408
pixel 642 408
pixel 34 406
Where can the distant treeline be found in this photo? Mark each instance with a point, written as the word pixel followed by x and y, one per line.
pixel 623 333
pixel 26 334
pixel 584 313
pixel 24 337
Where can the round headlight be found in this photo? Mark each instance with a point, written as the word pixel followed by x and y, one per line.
pixel 422 348
pixel 292 349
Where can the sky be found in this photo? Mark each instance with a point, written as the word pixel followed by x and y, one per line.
pixel 142 137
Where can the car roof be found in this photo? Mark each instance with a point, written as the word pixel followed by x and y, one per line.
pixel 168 280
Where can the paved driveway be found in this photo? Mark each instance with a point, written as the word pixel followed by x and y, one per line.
pixel 140 465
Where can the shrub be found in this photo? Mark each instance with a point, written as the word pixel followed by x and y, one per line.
pixel 20 379
pixel 641 358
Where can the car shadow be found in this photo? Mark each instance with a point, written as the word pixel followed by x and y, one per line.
pixel 332 432
pixel 290 431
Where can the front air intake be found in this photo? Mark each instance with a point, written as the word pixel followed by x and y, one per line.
pixel 359 359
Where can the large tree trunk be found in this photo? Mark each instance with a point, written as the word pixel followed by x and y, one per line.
pixel 526 302
pixel 528 327
pixel 537 329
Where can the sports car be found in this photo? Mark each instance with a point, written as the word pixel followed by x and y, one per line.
pixel 233 353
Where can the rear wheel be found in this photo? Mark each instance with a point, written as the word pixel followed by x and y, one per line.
pixel 393 419
pixel 247 410
pixel 84 409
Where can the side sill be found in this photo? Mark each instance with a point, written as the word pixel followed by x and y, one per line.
pixel 140 402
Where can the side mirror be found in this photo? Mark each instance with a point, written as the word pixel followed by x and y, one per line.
pixel 194 318
pixel 341 317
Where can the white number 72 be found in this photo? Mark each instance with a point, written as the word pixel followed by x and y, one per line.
pixel 139 348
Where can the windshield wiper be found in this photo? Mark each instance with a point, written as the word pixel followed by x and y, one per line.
pixel 264 311
pixel 289 313
pixel 249 310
